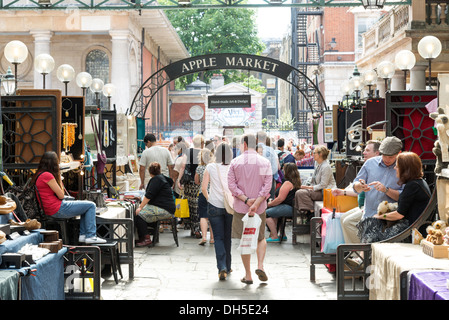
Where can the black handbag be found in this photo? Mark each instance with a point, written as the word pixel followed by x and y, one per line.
pixel 187 176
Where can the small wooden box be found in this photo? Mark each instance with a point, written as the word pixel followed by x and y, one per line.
pixel 50 235
pixel 436 251
pixel 53 246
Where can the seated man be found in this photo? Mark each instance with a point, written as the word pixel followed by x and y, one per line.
pixel 350 218
pixel 377 179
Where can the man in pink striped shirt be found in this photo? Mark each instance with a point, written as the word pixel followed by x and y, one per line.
pixel 249 180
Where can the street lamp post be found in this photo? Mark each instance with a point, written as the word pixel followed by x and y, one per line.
pixel 369 79
pixel 16 52
pixel 83 80
pixel 429 48
pixel 65 74
pixel 109 91
pixel 405 60
pixel 385 70
pixel 44 64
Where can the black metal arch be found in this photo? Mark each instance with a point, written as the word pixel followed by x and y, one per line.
pixel 291 75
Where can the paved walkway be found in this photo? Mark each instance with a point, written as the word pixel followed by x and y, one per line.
pixel 188 272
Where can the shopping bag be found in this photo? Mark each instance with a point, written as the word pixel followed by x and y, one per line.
pixel 182 208
pixel 334 233
pixel 250 234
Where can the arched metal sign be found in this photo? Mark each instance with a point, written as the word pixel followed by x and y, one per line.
pixel 277 68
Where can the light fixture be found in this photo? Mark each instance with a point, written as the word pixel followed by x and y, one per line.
pixel 83 80
pixel 96 87
pixel 405 60
pixel 16 52
pixel 65 74
pixel 44 3
pixel 8 82
pixel 184 2
pixel 385 70
pixel 357 85
pixel 373 4
pixel 370 79
pixel 347 88
pixel 44 64
pixel 333 44
pixel 429 48
pixel 109 91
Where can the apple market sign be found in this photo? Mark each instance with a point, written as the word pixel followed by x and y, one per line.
pixel 228 61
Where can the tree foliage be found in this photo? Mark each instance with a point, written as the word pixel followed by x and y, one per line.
pixel 211 31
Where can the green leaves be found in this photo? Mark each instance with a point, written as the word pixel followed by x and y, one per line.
pixel 207 31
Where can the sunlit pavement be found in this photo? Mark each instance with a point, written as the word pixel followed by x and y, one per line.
pixel 189 272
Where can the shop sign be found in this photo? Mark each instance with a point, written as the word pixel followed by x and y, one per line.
pixel 229 101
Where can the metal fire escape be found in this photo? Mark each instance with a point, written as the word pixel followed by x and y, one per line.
pixel 306 58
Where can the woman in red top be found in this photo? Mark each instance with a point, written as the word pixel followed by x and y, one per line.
pixel 51 198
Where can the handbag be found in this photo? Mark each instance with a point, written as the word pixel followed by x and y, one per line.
pixel 101 156
pixel 334 234
pixel 228 199
pixel 187 175
pixel 250 234
pixel 182 207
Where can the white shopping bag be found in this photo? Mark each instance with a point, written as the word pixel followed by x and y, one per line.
pixel 248 242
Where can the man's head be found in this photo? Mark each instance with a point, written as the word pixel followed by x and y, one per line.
pixel 149 139
pixel 249 141
pixel 371 149
pixel 280 144
pixel 390 148
pixel 261 137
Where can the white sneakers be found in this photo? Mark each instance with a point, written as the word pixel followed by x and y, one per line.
pixel 91 240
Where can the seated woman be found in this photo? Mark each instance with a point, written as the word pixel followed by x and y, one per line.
pixel 282 205
pixel 411 203
pixel 157 204
pixel 51 198
pixel 322 178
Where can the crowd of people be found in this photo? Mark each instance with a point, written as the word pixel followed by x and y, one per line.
pixel 261 175
pixel 260 172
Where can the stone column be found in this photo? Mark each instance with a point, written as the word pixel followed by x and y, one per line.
pixel 398 81
pixel 42 41
pixel 418 76
pixel 120 69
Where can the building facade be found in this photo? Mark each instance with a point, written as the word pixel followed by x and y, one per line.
pixel 119 47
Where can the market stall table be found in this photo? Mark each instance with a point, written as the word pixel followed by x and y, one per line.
pixel 47 281
pixel 9 284
pixel 428 285
pixel 389 260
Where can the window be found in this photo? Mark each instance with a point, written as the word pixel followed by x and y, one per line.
pixel 97 64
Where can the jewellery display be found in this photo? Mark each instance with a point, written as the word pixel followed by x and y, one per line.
pixel 68 109
pixel 68 134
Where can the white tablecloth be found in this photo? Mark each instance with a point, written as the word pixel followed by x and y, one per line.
pixel 389 260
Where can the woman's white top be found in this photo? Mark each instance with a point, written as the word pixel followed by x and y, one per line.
pixel 217 183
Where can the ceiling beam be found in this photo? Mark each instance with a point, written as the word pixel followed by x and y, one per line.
pixel 175 4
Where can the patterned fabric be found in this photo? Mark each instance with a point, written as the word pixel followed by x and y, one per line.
pixel 151 213
pixel 373 229
pixel 191 193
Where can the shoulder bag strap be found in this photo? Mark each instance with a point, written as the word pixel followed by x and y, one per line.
pixel 425 190
pixel 39 202
pixel 219 177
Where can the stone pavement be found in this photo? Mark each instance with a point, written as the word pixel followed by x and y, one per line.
pixel 189 272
